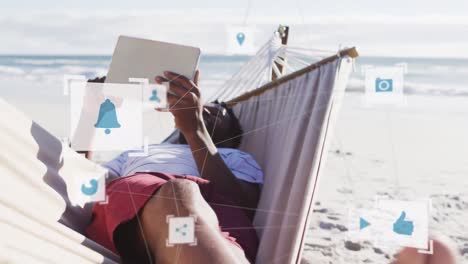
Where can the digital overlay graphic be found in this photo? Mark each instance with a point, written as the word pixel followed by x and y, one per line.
pixel 240 40
pixel 181 230
pixel 384 85
pixel 392 222
pixel 106 116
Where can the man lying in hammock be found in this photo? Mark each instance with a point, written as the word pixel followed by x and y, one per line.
pixel 223 199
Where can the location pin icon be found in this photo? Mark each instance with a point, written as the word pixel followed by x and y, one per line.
pixel 240 38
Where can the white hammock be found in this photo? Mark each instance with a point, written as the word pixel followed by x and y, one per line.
pixel 258 70
pixel 287 126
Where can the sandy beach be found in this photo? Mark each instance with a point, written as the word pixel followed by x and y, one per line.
pixel 413 152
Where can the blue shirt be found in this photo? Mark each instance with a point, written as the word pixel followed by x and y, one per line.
pixel 178 159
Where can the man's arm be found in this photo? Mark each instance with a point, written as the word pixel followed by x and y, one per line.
pixel 212 167
pixel 186 106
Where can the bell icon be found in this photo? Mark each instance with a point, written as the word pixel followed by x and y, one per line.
pixel 107 117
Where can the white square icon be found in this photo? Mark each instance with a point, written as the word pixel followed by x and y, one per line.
pixel 392 222
pixel 240 40
pixel 181 230
pixel 106 117
pixel 408 225
pixel 155 95
pixel 90 188
pixel 385 85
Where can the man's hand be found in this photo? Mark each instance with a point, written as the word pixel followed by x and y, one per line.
pixel 184 101
pixel 185 104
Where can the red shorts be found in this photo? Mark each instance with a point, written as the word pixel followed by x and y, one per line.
pixel 128 195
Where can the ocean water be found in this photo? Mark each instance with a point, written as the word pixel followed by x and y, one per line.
pixel 33 82
pixel 433 76
pixel 40 77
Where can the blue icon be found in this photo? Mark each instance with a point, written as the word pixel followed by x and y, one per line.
pixel 154 96
pixel 107 117
pixel 383 85
pixel 179 230
pixel 363 223
pixel 92 189
pixel 403 227
pixel 240 38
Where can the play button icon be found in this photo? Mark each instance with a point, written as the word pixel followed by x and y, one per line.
pixel 363 223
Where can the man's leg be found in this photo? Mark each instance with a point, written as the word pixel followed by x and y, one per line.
pixel 183 198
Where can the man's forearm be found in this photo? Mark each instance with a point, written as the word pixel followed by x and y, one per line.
pixel 207 158
pixel 212 167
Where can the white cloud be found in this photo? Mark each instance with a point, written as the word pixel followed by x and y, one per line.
pixel 95 32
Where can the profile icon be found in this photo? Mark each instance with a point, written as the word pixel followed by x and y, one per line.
pixel 154 96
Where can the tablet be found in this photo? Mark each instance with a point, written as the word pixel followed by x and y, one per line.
pixel 143 58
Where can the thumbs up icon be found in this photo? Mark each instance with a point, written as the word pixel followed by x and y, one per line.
pixel 402 226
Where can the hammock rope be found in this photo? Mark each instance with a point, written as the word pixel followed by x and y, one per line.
pixel 258 71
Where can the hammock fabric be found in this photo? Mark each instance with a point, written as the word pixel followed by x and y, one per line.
pixel 287 124
pixel 287 130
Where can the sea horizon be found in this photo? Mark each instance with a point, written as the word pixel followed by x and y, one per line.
pixel 428 76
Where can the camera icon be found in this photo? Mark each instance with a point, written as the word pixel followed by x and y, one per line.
pixel 383 85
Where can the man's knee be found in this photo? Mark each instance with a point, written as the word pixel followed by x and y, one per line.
pixel 179 186
pixel 178 197
pixel 179 193
pixel 175 197
pixel 182 198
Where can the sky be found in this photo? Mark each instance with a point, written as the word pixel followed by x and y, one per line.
pixel 377 27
